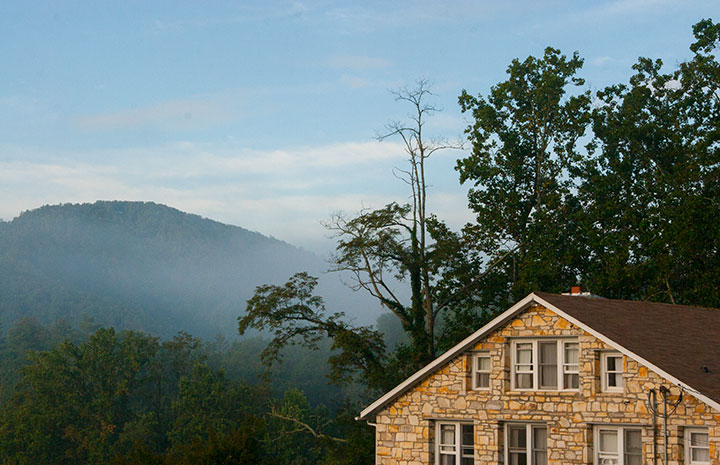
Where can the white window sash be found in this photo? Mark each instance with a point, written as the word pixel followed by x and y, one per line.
pixel 689 447
pixel 618 371
pixel 476 370
pixel 457 446
pixel 619 455
pixel 534 367
pixel 530 448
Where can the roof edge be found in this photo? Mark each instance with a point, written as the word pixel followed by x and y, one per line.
pixel 448 355
pixel 694 392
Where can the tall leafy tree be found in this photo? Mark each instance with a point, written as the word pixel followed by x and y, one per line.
pixel 653 192
pixel 525 149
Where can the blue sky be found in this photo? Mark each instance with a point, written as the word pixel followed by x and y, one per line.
pixel 263 114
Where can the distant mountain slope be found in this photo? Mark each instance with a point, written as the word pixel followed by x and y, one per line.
pixel 138 265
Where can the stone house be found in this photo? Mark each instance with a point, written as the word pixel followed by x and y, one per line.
pixel 564 379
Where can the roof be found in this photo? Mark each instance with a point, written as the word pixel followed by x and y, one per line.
pixel 679 342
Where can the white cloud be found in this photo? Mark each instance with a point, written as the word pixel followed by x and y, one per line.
pixel 183 113
pixel 285 193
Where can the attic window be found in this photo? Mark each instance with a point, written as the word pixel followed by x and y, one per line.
pixel 481 371
pixel 612 372
pixel 545 364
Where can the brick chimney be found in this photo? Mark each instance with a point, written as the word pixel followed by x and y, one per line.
pixel 579 291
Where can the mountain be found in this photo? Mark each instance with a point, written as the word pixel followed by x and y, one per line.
pixel 144 266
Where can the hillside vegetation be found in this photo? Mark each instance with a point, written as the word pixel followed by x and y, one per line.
pixel 138 265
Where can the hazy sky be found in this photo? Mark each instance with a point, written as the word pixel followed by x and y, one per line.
pixel 263 114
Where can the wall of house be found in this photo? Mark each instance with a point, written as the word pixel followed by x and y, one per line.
pixel 405 428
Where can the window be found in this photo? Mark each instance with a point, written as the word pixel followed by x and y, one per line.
pixel 481 371
pixel 697 447
pixel 571 374
pixel 612 372
pixel 545 364
pixel 455 444
pixel 618 446
pixel 525 444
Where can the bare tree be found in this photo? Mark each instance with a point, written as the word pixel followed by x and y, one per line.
pixel 394 240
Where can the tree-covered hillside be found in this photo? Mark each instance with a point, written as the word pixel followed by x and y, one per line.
pixel 137 265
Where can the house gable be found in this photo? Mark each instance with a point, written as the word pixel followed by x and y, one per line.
pixel 549 302
pixel 407 423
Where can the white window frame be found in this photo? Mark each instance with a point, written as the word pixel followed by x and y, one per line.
pixel 476 370
pixel 604 372
pixel 530 448
pixel 567 367
pixel 620 431
pixel 688 445
pixel 458 445
pixel 535 364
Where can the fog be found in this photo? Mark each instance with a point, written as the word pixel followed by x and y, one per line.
pixel 148 267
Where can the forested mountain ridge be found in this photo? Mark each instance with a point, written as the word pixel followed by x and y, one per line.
pixel 137 265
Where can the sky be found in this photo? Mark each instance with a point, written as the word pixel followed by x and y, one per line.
pixel 265 114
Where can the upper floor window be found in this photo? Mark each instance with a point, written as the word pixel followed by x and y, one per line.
pixel 454 444
pixel 616 445
pixel 612 372
pixel 547 364
pixel 481 370
pixel 525 444
pixel 697 446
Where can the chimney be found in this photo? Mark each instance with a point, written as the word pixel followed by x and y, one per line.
pixel 579 291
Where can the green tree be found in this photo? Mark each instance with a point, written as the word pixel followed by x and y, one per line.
pixel 522 168
pixel 74 400
pixel 653 192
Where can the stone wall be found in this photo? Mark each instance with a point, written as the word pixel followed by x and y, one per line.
pixel 405 428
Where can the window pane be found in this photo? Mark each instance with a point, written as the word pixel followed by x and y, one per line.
pixel 539 438
pixel 447 434
pixel 524 381
pixel 611 363
pixel 468 438
pixel 540 457
pixel 518 458
pixel 633 459
pixel 548 364
pixel 447 459
pixel 608 441
pixel 548 376
pixel 612 380
pixel 699 439
pixel 467 461
pixel 571 353
pixel 700 455
pixel 633 442
pixel 524 353
pixel 548 353
pixel 517 437
pixel 483 363
pixel 572 381
pixel 483 380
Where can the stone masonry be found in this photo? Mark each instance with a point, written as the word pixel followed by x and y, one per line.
pixel 405 428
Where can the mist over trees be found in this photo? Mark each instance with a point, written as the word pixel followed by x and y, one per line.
pixel 142 266
pixel 634 213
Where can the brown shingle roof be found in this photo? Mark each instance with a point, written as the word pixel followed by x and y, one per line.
pixel 681 340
